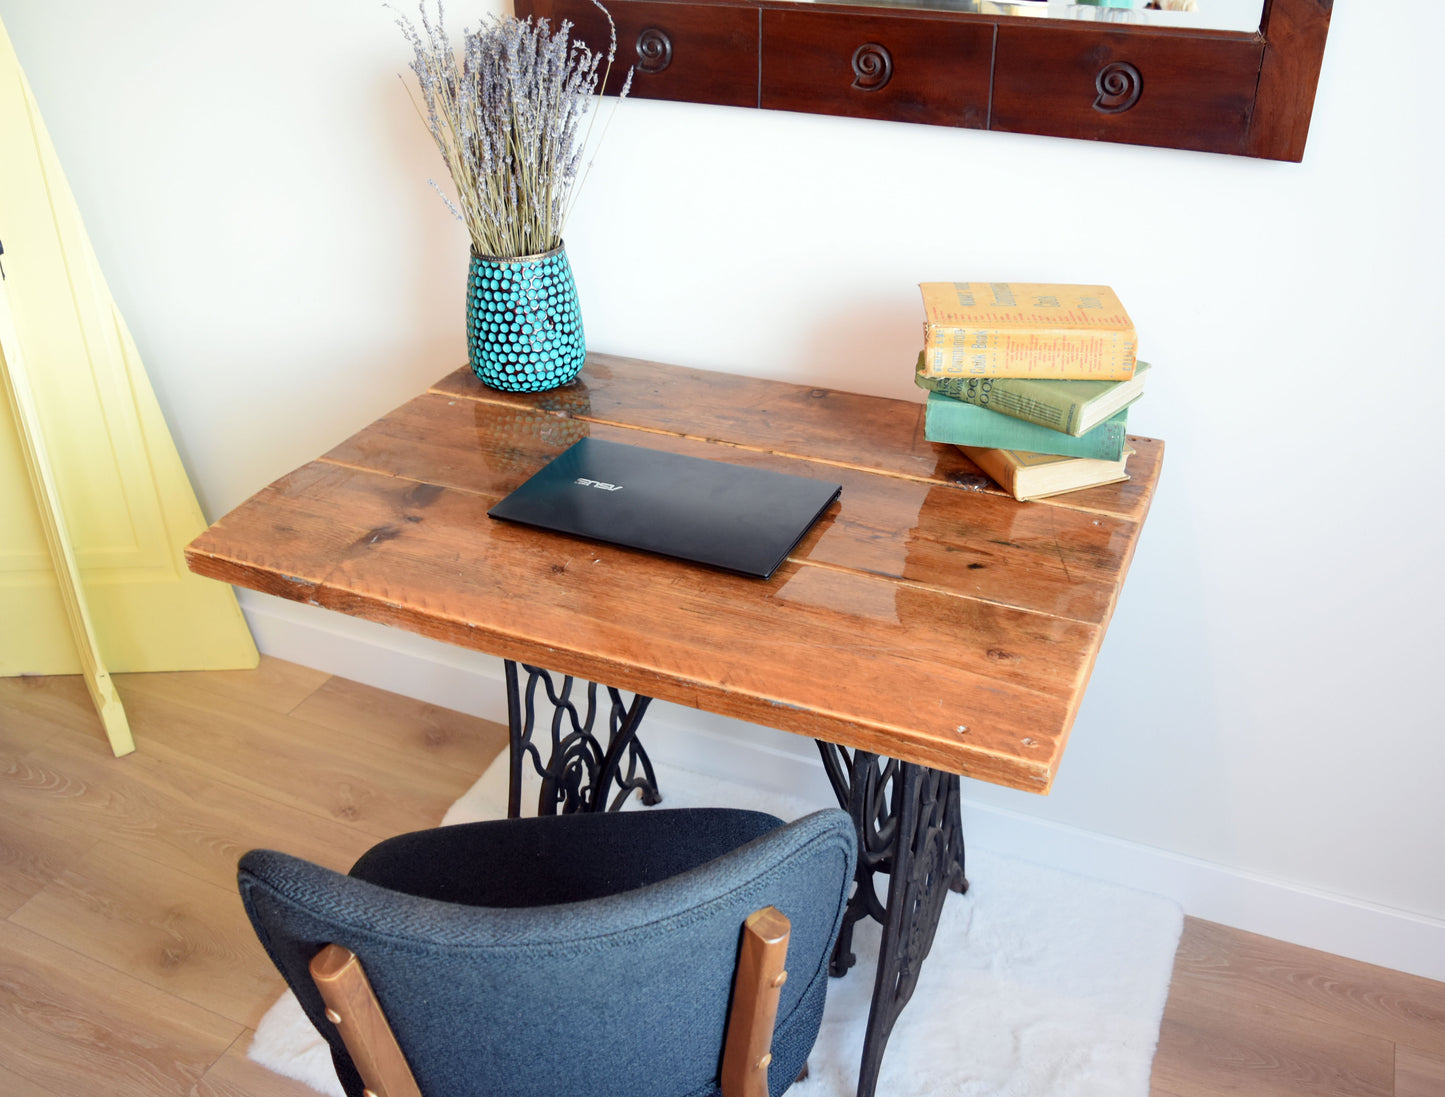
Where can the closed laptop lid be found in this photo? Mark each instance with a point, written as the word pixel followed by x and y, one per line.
pixel 709 512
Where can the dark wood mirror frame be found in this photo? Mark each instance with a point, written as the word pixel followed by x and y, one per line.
pixel 1212 91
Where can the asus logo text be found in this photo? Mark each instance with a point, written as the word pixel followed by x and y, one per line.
pixel 598 484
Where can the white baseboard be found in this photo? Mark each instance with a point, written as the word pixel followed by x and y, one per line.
pixel 410 665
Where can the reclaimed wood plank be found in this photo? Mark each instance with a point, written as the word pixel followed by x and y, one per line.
pixel 271 556
pixel 977 544
pixel 848 429
pixel 925 616
pixel 905 665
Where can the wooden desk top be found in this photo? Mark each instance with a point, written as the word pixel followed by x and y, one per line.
pixel 927 616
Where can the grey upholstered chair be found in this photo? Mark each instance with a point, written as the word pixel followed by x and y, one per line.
pixel 633 954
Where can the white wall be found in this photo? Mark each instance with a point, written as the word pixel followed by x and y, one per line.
pixel 1264 713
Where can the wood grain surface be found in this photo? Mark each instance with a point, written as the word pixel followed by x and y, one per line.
pixel 676 51
pixel 1295 33
pixel 352 1006
pixel 818 62
pixel 1197 91
pixel 757 988
pixel 129 966
pixel 1245 92
pixel 926 616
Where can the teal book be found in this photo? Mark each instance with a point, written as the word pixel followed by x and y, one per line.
pixel 1073 407
pixel 960 424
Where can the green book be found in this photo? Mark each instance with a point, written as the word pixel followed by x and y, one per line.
pixel 953 421
pixel 1072 407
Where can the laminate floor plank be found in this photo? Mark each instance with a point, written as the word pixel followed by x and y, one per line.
pixel 1419 1073
pixel 39 710
pixel 160 926
pixel 13 1085
pixel 30 858
pixel 234 1075
pixel 1205 1050
pixel 275 684
pixel 169 812
pixel 466 742
pixel 317 769
pixel 76 1026
pixel 132 861
pixel 180 718
pixel 1229 968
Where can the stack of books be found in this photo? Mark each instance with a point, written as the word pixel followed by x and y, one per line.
pixel 1032 381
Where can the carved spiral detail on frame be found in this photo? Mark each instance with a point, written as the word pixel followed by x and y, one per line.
pixel 872 67
pixel 1119 85
pixel 654 50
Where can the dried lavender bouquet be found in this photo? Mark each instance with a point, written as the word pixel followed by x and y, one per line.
pixel 506 111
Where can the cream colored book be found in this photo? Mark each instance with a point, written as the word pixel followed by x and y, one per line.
pixel 1028 476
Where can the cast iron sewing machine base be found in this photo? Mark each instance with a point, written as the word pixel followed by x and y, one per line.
pixel 909 828
pixel 906 815
pixel 580 769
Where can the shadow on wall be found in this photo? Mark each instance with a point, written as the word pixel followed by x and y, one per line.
pixel 856 348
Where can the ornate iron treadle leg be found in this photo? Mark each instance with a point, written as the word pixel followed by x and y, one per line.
pixel 909 827
pixel 580 770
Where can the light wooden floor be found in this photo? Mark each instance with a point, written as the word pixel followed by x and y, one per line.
pixel 127 966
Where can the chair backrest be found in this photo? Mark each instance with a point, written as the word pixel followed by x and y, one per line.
pixel 623 994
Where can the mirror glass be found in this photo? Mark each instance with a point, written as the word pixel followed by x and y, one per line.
pixel 1238 15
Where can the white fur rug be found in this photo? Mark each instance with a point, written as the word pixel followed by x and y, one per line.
pixel 1039 984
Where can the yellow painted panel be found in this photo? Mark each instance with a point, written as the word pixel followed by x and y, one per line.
pixel 38 639
pixel 126 501
pixel 20 398
pixel 22 541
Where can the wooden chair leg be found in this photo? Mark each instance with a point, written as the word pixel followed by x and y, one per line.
pixel 352 1007
pixel 757 986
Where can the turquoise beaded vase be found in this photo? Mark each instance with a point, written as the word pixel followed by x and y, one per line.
pixel 524 323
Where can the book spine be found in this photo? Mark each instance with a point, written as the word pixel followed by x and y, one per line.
pixel 1000 469
pixel 1061 355
pixel 956 423
pixel 1019 397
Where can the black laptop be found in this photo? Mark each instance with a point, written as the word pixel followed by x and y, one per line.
pixel 727 516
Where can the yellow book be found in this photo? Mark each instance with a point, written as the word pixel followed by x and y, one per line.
pixel 1026 329
pixel 1028 476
